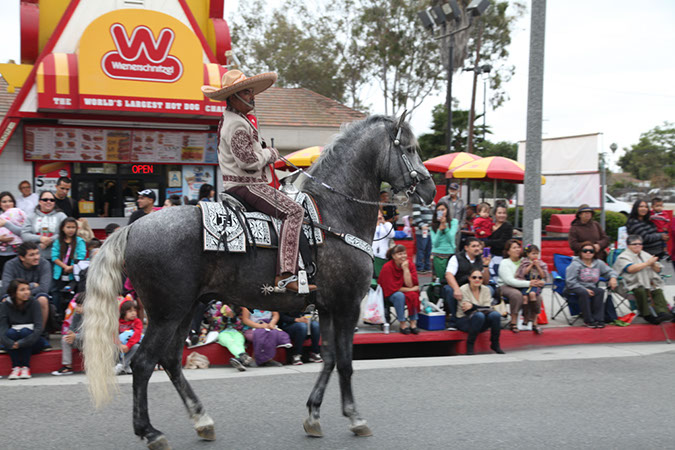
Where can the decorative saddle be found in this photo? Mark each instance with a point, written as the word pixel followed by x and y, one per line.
pixel 229 227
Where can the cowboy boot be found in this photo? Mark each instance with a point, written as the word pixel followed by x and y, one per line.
pixel 292 284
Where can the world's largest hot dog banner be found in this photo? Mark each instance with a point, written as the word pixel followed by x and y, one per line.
pixel 117 145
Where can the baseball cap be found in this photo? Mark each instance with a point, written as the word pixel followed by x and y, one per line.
pixel 454 186
pixel 147 193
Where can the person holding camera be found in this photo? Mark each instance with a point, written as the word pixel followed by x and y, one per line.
pixel 475 313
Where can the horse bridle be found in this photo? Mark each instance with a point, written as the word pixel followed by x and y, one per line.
pixel 396 143
pixel 412 173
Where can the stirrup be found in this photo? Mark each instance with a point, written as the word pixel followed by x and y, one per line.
pixel 280 287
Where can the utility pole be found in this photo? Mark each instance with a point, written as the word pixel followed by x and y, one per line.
pixel 448 94
pixel 472 111
pixel 535 88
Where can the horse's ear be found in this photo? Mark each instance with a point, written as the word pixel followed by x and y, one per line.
pixel 402 119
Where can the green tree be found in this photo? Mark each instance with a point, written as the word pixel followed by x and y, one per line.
pixel 653 157
pixel 433 144
pixel 338 47
pixel 303 56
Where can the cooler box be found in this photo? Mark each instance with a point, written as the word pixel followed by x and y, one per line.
pixel 432 321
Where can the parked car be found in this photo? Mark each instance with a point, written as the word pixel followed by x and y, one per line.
pixel 612 204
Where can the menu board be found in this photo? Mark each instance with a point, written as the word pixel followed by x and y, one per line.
pixel 77 144
pixel 119 145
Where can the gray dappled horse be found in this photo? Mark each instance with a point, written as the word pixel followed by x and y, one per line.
pixel 162 253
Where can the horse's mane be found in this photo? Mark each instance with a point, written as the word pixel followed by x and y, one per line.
pixel 352 132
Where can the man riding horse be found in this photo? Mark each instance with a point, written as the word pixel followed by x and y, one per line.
pixel 245 160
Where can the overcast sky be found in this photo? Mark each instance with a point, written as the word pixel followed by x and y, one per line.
pixel 609 69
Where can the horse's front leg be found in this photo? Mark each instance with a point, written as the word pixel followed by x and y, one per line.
pixel 312 425
pixel 344 341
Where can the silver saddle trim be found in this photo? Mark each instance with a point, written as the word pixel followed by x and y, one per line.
pixel 218 221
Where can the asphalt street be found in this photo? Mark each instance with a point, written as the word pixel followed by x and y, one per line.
pixel 599 396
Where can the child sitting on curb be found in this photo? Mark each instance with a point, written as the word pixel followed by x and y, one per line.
pixel 233 339
pixel 131 329
pixel 71 339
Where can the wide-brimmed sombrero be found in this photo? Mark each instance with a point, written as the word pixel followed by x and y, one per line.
pixel 234 81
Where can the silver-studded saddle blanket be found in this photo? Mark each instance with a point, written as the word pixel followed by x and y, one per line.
pixel 222 226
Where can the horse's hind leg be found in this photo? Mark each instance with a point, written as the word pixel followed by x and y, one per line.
pixel 171 362
pixel 312 425
pixel 142 365
pixel 344 340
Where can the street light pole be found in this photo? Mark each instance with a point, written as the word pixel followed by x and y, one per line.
pixel 448 98
pixel 441 15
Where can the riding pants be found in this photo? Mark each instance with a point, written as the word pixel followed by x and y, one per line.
pixel 269 200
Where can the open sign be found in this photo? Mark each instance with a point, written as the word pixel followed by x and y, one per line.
pixel 143 168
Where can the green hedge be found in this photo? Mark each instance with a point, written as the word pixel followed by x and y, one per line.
pixel 613 221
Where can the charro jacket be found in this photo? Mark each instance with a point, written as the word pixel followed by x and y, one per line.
pixel 241 156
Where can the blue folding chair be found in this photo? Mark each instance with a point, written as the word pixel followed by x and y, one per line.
pixel 565 301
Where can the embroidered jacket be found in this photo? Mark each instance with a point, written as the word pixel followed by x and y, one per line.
pixel 242 158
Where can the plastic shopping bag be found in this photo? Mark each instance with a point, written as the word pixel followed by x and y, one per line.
pixel 374 312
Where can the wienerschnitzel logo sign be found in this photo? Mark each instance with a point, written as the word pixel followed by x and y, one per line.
pixel 140 60
pixel 141 56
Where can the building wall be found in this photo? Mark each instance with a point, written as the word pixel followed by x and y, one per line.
pixel 289 139
pixel 13 169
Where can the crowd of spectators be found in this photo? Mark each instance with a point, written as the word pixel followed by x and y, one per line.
pixel 470 251
pixel 479 264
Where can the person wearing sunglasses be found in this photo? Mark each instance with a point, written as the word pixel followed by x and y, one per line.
pixel 475 313
pixel 42 224
pixel 641 272
pixel 583 275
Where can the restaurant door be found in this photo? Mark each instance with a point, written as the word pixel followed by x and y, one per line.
pixel 111 190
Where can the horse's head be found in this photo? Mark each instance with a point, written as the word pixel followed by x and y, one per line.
pixel 401 165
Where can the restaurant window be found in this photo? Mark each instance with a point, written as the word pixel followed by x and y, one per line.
pixel 111 190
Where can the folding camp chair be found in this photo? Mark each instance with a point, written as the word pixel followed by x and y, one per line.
pixel 626 297
pixel 563 301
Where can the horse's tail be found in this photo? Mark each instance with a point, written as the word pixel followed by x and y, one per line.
pixel 101 313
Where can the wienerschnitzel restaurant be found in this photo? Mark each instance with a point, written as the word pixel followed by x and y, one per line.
pixel 108 93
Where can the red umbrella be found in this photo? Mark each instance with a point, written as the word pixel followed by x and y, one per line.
pixel 449 161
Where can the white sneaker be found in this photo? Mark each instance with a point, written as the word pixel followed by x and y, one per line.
pixel 315 358
pixel 297 360
pixel 289 345
pixel 119 369
pixel 15 374
pixel 25 373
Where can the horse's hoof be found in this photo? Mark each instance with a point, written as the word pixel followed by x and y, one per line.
pixel 313 428
pixel 161 443
pixel 361 430
pixel 208 433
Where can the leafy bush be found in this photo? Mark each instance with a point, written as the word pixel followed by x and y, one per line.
pixel 613 221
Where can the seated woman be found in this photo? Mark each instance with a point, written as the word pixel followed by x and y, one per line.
pixel 582 278
pixel 20 328
pixel 641 272
pixel 509 287
pixel 260 328
pixel 398 279
pixel 297 325
pixel 475 313
pixel 584 229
